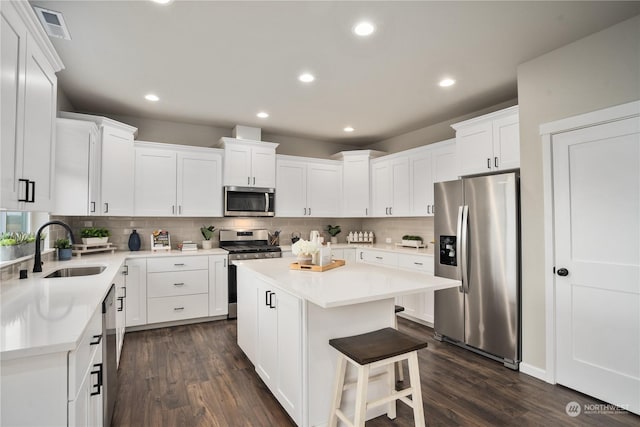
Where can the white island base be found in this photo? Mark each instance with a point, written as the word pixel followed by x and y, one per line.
pixel 286 318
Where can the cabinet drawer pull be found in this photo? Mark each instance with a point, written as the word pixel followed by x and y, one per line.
pixel 417 263
pixel 32 199
pixel 121 301
pixel 178 284
pixel 254 180
pixel 97 339
pixel 97 372
pixel 178 309
pixel 248 180
pixel 93 207
pixel 179 264
pixel 26 190
pixel 309 211
pixel 495 161
pixel 378 257
pixel 488 163
pixel 106 208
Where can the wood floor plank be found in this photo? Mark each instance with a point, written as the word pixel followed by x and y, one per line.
pixel 196 375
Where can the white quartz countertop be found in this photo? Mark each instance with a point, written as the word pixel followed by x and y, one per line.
pixel 41 316
pixel 351 284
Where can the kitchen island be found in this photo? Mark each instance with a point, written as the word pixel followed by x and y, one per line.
pixel 286 318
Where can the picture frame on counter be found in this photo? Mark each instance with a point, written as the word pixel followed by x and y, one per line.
pixel 160 241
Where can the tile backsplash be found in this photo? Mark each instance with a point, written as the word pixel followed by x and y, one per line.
pixel 189 228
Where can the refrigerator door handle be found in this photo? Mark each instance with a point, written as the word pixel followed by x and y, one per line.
pixel 463 252
pixel 459 248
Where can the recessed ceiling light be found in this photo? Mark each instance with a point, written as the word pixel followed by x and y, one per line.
pixel 364 29
pixel 306 77
pixel 447 82
pixel 262 115
pixel 162 1
pixel 348 129
pixel 151 97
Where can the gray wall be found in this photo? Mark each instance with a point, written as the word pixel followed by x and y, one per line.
pixel 595 72
pixel 434 133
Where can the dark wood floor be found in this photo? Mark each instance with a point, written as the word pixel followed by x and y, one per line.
pixel 196 375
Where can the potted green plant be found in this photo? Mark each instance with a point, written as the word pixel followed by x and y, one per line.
pixel 333 230
pixel 64 249
pixel 95 236
pixel 15 245
pixel 207 233
pixel 412 241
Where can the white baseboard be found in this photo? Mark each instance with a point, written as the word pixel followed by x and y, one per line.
pixel 533 371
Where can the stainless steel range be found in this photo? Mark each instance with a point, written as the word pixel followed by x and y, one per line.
pixel 244 244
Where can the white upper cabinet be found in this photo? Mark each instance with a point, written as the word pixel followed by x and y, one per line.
pixel 116 164
pixel 308 187
pixel 488 143
pixel 77 171
pixel 249 163
pixel 390 192
pixel 356 171
pixel 29 89
pixel 177 180
pixel 430 164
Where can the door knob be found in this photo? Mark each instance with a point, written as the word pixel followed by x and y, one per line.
pixel 563 272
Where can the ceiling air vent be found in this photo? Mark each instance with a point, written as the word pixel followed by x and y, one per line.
pixel 53 23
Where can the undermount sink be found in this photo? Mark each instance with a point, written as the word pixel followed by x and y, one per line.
pixel 76 271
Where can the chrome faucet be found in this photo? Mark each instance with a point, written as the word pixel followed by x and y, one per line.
pixel 37 259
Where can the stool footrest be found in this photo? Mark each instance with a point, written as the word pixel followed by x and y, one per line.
pixel 344 418
pixel 396 395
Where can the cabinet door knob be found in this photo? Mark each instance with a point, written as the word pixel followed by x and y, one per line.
pixel 562 272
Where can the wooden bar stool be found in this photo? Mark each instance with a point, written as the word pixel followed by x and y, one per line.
pixel 399 370
pixel 372 350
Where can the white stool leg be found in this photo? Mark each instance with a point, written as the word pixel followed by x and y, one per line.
pixel 337 391
pixel 391 383
pixel 398 364
pixel 361 396
pixel 416 390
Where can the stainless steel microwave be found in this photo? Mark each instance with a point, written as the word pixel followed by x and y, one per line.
pixel 249 201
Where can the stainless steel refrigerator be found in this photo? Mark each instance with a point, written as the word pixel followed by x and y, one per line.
pixel 477 234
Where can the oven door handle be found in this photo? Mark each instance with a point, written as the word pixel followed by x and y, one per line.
pixel 266 204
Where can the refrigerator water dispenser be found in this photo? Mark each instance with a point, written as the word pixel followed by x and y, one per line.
pixel 448 250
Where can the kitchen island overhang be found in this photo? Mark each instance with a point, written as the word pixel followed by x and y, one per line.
pixel 286 318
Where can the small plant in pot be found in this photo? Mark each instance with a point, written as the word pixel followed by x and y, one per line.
pixel 64 249
pixel 413 241
pixel 207 233
pixel 333 230
pixel 95 236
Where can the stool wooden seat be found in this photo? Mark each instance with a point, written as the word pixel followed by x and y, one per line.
pixel 375 349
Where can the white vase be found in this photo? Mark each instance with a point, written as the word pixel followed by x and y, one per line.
pixel 207 244
pixel 304 259
pixel 334 240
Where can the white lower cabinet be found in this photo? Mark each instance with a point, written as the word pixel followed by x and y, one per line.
pixel 58 389
pixel 416 306
pixel 347 254
pixel 166 289
pixel 136 282
pixel 121 304
pixel 218 289
pixel 276 350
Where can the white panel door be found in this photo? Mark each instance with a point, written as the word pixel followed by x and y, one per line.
pixel 13 39
pixel 263 167
pixel 474 149
pixel 324 190
pixel 117 172
pixel 155 183
pixel 597 215
pixel 218 286
pixel 291 189
pixel 380 188
pixel 506 143
pixel 421 184
pixel 199 182
pixel 39 128
pixel 237 165
pixel 400 191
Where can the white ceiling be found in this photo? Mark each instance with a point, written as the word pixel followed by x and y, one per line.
pixel 219 63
